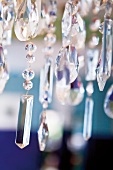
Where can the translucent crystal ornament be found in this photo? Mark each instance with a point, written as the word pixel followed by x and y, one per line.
pixel 46 82
pixel 94 41
pixel 50 39
pixel 66 24
pixel 95 24
pixel 24 121
pixel 78 32
pixel 67 64
pixel 108 102
pixel 30 58
pixel 30 48
pixel 75 93
pixel 88 116
pixel 91 62
pixel 2 61
pixel 89 89
pixel 85 7
pixel 26 20
pixel 104 71
pixel 48 51
pixel 52 10
pixel 28 74
pixel 43 132
pixel 28 85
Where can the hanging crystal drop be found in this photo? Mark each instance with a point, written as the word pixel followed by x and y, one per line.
pixel 24 121
pixel 75 93
pixel 46 82
pixel 108 102
pixel 8 21
pixel 66 24
pixel 2 61
pixel 43 132
pixel 27 19
pixel 92 56
pixel 88 116
pixel 104 71
pixel 89 89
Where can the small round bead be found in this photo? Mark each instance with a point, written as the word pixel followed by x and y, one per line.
pixel 30 47
pixel 28 74
pixel 50 39
pixel 27 85
pixel 30 58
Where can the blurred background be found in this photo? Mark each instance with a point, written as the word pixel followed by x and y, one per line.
pixel 66 148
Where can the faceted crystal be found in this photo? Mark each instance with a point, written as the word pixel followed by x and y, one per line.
pixel 94 41
pixel 50 39
pixel 89 89
pixel 108 103
pixel 43 132
pixel 24 121
pixel 46 82
pixel 2 62
pixel 66 24
pixel 28 85
pixel 28 74
pixel 75 93
pixel 30 47
pixel 48 51
pixel 30 58
pixel 95 24
pixel 27 19
pixel 104 71
pixel 88 116
pixel 91 61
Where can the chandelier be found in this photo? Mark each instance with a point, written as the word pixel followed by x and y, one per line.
pixel 32 18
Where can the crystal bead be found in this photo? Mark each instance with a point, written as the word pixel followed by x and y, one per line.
pixel 95 24
pixel 28 85
pixel 50 39
pixel 30 47
pixel 30 58
pixel 48 51
pixel 28 74
pixel 108 102
pixel 101 28
pixel 88 116
pixel 43 133
pixel 75 93
pixel 94 41
pixel 26 19
pixel 51 28
pixel 89 89
pixel 24 121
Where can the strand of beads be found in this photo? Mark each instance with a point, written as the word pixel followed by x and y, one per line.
pixel 46 73
pixel 26 101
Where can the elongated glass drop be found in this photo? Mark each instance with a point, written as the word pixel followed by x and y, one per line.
pixel 24 121
pixel 27 19
pixel 104 70
pixel 91 64
pixel 88 116
pixel 108 102
pixel 46 82
pixel 43 132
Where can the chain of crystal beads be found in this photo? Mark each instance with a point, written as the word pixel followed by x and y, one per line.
pixel 46 73
pixel 105 62
pixel 26 101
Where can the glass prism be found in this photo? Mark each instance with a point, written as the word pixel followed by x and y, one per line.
pixel 24 121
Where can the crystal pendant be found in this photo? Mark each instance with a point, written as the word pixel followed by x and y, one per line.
pixel 66 24
pixel 104 70
pixel 108 103
pixel 46 82
pixel 43 132
pixel 27 19
pixel 91 64
pixel 78 32
pixel 24 121
pixel 8 21
pixel 75 93
pixel 88 115
pixel 2 62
